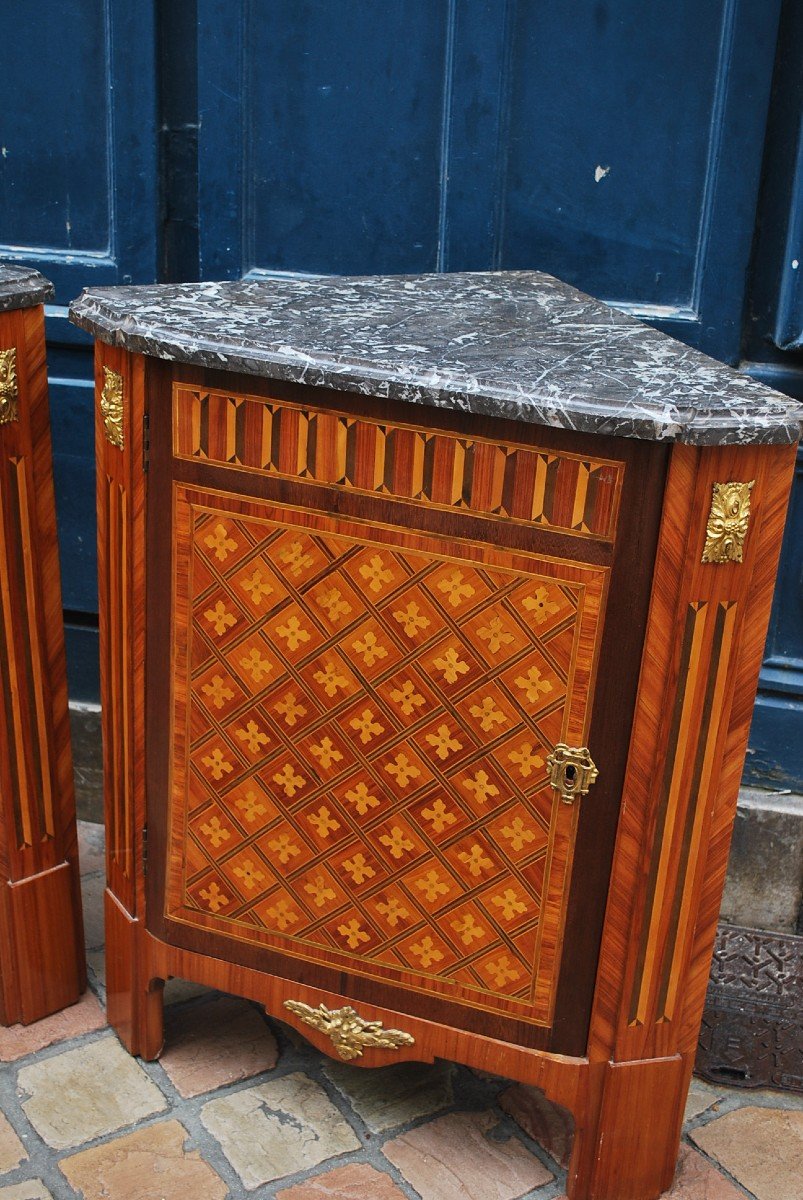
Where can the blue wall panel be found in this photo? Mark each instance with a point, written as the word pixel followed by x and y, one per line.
pixel 618 146
pixel 56 169
pixel 586 192
pixel 775 758
pixel 78 201
pixel 342 136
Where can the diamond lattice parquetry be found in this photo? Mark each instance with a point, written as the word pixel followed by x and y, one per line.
pixel 368 734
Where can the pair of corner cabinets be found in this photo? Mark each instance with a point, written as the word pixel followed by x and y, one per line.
pixel 417 881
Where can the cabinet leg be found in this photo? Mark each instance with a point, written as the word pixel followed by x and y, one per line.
pixel 626 1143
pixel 41 945
pixel 134 998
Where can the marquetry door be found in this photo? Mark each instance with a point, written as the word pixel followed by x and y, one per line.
pixel 366 637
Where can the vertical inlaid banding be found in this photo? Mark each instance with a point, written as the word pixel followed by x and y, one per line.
pixel 118 675
pixel 23 674
pixel 690 759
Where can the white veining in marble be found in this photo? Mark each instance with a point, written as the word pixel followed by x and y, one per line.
pixel 21 287
pixel 514 344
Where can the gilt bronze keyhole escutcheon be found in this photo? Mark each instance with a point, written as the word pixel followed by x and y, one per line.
pixel 571 771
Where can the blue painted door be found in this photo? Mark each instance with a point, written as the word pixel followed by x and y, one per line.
pixel 617 145
pixel 78 201
pixel 614 143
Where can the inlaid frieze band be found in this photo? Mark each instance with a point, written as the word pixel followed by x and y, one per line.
pixel 9 393
pixel 564 492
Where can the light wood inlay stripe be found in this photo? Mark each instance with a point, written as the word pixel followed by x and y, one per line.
pixel 691 757
pixel 668 807
pixel 21 800
pixel 40 725
pixel 708 738
pixel 126 675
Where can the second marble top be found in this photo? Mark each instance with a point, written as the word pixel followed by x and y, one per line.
pixel 515 344
pixel 21 287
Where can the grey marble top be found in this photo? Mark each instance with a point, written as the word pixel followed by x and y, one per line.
pixel 515 344
pixel 20 287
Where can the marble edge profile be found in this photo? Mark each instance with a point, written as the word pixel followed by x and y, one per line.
pixel 699 428
pixel 24 289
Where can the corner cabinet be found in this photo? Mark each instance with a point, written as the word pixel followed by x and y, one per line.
pixel 424 727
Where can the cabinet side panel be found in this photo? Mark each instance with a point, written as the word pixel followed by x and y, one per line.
pixel 702 655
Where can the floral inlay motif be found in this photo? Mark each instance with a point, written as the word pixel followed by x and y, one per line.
pixel 320 891
pixel 451 664
pixel 407 698
pixel 411 619
pixel 533 685
pixel 488 714
pixel 455 589
pixel 294 558
pixel 375 573
pixel 427 952
pixel 397 842
pixel 509 903
pixel 220 542
pixel 443 743
pixel 361 798
pixel 218 691
pixel 220 618
pixel 495 634
pixel 366 725
pixel 214 897
pixel 540 605
pixel 257 666
pixel 476 860
pixel 370 648
pixel 439 816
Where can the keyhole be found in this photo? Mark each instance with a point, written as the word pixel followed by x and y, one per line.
pixel 569 776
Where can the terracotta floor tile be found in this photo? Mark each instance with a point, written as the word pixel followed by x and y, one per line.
pixel 696 1179
pixel 761 1147
pixel 151 1164
pixel 83 1093
pixel 278 1128
pixel 453 1158
pixel 32 1189
pixel 545 1123
pixel 357 1181
pixel 12 1151
pixel 394 1095
pixel 215 1043
pixel 18 1040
